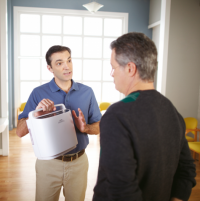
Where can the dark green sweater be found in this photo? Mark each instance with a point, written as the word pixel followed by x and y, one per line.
pixel 144 153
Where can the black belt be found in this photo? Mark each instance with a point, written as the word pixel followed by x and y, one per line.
pixel 71 158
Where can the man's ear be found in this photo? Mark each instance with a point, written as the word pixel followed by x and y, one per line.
pixel 132 69
pixel 50 68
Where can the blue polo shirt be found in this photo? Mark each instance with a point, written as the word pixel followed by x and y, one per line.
pixel 79 96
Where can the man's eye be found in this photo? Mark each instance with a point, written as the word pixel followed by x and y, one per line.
pixel 69 61
pixel 58 64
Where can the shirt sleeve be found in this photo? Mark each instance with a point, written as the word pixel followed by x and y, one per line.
pixel 30 105
pixel 117 179
pixel 185 174
pixel 94 111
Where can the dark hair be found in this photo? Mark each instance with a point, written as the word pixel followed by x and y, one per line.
pixel 54 49
pixel 139 49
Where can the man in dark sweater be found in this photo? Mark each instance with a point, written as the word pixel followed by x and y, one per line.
pixel 144 153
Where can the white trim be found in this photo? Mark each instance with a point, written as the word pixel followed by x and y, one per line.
pixel 154 25
pixel 68 11
pixel 16 72
pixel 3 59
pixel 163 46
pixel 3 80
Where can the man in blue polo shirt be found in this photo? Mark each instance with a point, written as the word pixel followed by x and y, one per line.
pixel 69 171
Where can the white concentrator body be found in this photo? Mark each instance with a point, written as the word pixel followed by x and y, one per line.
pixel 52 134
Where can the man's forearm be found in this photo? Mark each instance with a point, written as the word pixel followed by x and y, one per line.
pixel 93 128
pixel 22 128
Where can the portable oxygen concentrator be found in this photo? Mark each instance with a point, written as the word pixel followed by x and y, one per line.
pixel 52 134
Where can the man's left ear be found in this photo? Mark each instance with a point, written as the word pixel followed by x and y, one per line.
pixel 132 69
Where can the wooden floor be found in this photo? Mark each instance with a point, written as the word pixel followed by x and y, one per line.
pixel 17 172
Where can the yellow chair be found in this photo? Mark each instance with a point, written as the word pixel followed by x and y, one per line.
pixel 195 147
pixel 20 109
pixel 191 126
pixel 104 106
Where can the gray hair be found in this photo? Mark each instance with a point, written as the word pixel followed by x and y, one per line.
pixel 139 49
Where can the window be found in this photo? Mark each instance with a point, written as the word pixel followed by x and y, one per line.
pixel 88 36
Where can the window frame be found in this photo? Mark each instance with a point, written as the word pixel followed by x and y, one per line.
pixel 60 12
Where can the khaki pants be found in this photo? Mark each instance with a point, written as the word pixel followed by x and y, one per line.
pixel 51 175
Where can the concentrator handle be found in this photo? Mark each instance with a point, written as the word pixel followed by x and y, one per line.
pixel 62 105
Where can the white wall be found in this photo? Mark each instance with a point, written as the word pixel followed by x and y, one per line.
pixel 155 10
pixel 183 70
pixel 156 36
pixel 159 19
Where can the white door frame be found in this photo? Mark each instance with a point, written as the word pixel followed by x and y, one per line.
pixel 163 46
pixel 3 80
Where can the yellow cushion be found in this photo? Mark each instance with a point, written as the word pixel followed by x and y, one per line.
pixel 191 123
pixel 104 106
pixel 22 106
pixel 194 146
pixel 189 139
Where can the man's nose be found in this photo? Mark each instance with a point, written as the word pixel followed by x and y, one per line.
pixel 66 65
